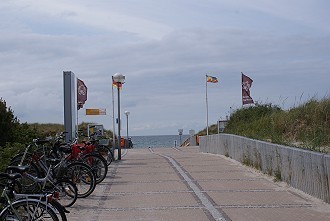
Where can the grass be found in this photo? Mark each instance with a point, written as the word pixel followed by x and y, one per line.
pixel 45 130
pixel 305 126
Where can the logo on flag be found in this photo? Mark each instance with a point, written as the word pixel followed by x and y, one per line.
pixel 81 93
pixel 211 79
pixel 246 85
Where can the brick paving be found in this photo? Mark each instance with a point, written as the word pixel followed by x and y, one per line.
pixel 183 184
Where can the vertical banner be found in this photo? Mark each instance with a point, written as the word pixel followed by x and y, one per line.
pixel 81 93
pixel 246 85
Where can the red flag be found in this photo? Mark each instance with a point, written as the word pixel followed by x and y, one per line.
pixel 81 93
pixel 117 84
pixel 246 85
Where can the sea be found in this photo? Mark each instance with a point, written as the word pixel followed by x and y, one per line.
pixel 158 141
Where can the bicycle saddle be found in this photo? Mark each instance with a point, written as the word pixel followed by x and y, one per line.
pixel 17 169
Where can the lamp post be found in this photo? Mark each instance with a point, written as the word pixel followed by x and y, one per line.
pixel 127 113
pixel 118 79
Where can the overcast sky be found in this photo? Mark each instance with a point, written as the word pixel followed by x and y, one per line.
pixel 164 48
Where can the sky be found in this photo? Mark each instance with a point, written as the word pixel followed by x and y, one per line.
pixel 164 49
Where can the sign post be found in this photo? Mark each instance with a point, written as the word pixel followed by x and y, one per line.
pixel 70 108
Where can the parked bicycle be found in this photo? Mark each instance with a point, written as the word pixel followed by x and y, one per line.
pixel 26 207
pixel 79 173
pixel 66 189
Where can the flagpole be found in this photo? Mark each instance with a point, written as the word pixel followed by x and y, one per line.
pixel 207 109
pixel 113 123
pixel 77 129
pixel 77 110
pixel 242 88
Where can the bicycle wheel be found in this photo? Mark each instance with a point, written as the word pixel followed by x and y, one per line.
pixel 59 210
pixel 83 176
pixel 28 209
pixel 68 192
pixel 98 165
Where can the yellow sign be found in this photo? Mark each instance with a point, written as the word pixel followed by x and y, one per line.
pixel 96 112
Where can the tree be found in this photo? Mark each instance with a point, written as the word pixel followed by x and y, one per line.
pixel 8 124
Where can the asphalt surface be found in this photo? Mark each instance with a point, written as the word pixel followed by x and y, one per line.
pixel 184 184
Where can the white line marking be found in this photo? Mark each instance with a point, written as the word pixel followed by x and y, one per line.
pixel 208 205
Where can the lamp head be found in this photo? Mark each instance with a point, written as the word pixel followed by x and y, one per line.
pixel 118 78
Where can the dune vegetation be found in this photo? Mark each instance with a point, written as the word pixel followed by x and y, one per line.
pixel 305 126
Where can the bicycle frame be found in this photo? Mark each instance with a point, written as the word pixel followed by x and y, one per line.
pixel 23 198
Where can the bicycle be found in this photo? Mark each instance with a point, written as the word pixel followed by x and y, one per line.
pixel 66 189
pixel 24 207
pixel 80 174
pixel 95 161
pixel 82 152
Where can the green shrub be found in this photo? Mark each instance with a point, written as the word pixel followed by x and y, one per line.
pixel 305 126
pixel 8 124
pixel 7 152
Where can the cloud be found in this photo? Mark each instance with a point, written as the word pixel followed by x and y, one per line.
pixel 300 11
pixel 90 15
pixel 164 58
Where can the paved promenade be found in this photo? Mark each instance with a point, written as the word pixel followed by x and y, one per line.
pixel 171 184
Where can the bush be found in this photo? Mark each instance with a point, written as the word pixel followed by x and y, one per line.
pixel 305 126
pixel 8 124
pixel 256 122
pixel 8 152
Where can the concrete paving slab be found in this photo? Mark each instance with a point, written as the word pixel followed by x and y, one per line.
pixel 167 185
pixel 149 178
pixel 146 200
pixel 222 175
pixel 171 184
pixel 213 168
pixel 157 214
pixel 276 214
pixel 255 198
pixel 240 184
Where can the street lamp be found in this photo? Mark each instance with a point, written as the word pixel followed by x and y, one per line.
pixel 127 113
pixel 118 80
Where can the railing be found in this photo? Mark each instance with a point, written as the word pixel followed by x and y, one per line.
pixel 304 170
pixel 190 141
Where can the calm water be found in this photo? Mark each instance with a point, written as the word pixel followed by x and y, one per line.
pixel 157 141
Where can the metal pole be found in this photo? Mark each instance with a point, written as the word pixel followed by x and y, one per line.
pixel 70 108
pixel 77 127
pixel 119 138
pixel 113 123
pixel 127 130
pixel 207 111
